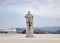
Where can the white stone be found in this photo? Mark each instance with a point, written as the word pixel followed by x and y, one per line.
pixel 29 24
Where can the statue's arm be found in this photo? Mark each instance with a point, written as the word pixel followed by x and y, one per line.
pixel 32 16
pixel 25 16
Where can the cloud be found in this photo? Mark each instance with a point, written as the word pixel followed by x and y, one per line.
pixel 47 9
pixel 44 8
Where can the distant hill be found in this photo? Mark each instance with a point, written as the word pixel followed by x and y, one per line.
pixel 50 30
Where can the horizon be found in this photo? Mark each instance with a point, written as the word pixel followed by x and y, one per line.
pixel 33 27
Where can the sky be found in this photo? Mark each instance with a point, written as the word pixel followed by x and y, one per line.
pixel 46 13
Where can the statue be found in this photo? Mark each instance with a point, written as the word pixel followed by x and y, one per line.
pixel 29 24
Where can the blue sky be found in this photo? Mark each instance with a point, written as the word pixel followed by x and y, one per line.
pixel 46 13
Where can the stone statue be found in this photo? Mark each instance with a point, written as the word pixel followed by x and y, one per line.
pixel 29 24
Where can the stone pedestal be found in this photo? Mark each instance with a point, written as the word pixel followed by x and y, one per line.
pixel 29 24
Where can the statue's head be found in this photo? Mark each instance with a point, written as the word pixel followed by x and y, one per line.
pixel 28 12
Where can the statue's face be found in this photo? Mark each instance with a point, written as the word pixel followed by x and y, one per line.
pixel 28 12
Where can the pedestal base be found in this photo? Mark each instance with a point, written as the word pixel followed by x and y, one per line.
pixel 29 36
